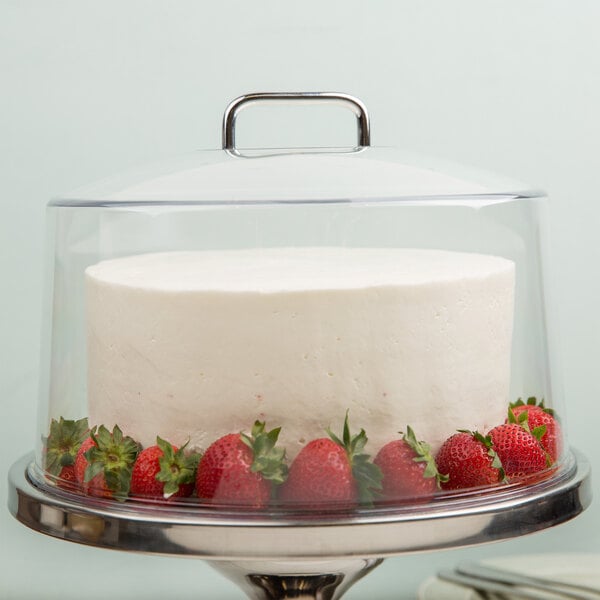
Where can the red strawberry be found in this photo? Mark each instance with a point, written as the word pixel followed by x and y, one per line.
pixel 519 451
pixel 104 463
pixel 541 422
pixel 334 472
pixel 469 461
pixel 241 469
pixel 408 468
pixel 164 471
pixel 66 478
pixel 61 447
pixel 80 467
pixel 321 473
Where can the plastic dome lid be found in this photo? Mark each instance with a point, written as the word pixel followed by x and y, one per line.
pixel 311 290
pixel 360 174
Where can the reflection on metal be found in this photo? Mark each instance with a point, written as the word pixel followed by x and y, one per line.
pixel 234 534
pixel 269 587
pixel 310 556
pixel 321 580
pixel 90 528
pixel 345 100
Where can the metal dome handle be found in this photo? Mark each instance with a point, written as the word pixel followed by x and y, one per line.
pixel 345 100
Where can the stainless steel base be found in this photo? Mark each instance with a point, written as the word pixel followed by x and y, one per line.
pixel 274 580
pixel 298 555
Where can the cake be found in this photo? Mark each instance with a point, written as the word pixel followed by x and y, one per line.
pixel 194 345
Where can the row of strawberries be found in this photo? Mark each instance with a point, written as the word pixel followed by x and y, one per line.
pixel 250 470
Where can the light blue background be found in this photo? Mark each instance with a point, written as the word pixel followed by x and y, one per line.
pixel 91 88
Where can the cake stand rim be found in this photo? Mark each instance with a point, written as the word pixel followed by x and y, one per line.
pixel 374 535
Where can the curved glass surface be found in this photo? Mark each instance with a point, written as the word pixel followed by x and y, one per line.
pixel 303 331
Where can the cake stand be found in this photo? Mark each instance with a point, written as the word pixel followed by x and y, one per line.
pixel 279 555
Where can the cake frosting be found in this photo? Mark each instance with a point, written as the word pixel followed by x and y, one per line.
pixel 194 345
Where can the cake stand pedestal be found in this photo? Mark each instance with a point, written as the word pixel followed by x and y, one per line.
pixel 281 555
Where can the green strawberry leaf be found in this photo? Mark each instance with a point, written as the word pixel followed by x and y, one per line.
pixel 112 455
pixel 63 442
pixel 92 469
pixel 539 432
pixel 522 419
pixel 367 475
pixel 269 460
pixel 532 401
pixel 497 464
pixel 176 467
pixel 335 438
pixel 423 454
pixel 486 440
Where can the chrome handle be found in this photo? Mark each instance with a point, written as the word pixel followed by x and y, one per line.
pixel 345 100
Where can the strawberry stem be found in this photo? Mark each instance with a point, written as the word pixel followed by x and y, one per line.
pixel 112 456
pixel 269 460
pixel 367 475
pixel 423 454
pixel 532 401
pixel 486 440
pixel 63 442
pixel 176 469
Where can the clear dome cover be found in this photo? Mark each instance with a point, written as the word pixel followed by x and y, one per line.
pixel 298 329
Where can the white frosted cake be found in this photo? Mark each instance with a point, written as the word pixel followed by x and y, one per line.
pixel 194 345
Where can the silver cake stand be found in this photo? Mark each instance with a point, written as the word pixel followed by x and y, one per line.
pixel 280 555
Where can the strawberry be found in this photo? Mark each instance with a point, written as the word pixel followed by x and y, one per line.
pixel 66 478
pixel 61 447
pixel 519 451
pixel 408 468
pixel 104 463
pixel 241 469
pixel 538 417
pixel 332 471
pixel 164 471
pixel 469 460
pixel 80 467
